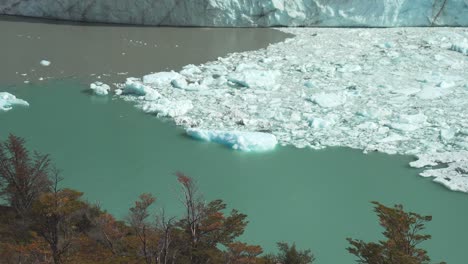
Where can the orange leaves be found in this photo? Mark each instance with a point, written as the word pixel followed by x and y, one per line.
pixel 183 179
pixel 402 231
pixel 242 253
pixel 35 251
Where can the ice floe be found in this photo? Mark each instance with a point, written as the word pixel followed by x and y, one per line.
pixel 398 91
pixel 8 101
pixel 245 141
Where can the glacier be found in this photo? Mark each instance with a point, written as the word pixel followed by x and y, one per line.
pixel 394 90
pixel 249 13
pixel 8 101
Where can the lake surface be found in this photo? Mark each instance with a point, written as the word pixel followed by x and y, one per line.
pixel 113 152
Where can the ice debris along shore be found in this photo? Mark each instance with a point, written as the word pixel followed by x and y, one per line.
pixel 390 90
pixel 249 13
pixel 8 101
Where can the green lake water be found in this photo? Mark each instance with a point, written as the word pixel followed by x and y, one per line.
pixel 113 152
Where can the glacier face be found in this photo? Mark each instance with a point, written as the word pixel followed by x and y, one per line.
pixel 398 91
pixel 249 13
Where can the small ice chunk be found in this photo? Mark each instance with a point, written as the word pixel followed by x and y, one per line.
pixel 180 83
pixel 409 122
pixel 161 78
pixel 309 84
pixel 447 134
pixel 393 138
pixel 135 86
pixel 319 123
pixel 446 84
pixel 349 68
pixel 190 71
pixel 100 88
pixel 216 70
pixel 432 93
pixel 461 47
pixel 240 140
pixel 329 100
pixel 374 113
pixel 166 108
pixel 7 101
pixel 418 118
pixel 255 78
pixel 247 66
pixel 45 63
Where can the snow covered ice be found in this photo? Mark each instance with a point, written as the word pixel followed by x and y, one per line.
pixel 398 91
pixel 8 101
pixel 245 141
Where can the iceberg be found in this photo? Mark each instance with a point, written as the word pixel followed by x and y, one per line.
pixel 240 140
pixel 100 88
pixel 45 63
pixel 8 101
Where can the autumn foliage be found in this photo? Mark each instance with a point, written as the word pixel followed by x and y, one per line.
pixel 402 232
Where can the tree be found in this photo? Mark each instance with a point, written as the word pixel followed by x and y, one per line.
pixel 146 234
pixel 23 177
pixel 166 227
pixel 402 233
pixel 290 255
pixel 241 253
pixel 59 216
pixel 205 226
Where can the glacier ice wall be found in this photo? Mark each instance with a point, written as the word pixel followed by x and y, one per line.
pixel 249 13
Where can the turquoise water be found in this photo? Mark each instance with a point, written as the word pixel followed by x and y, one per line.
pixel 113 152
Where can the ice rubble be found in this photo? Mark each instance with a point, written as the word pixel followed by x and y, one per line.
pixel 245 13
pixel 8 101
pixel 334 87
pixel 245 141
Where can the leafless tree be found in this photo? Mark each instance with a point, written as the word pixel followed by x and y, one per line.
pixel 23 177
